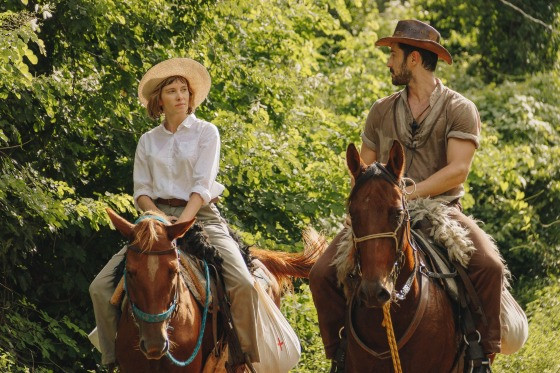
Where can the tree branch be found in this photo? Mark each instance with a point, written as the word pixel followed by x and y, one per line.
pixel 529 16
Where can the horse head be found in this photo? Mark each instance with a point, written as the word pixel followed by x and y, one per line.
pixel 152 280
pixel 378 216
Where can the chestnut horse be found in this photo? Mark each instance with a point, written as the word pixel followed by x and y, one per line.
pixel 380 265
pixel 160 328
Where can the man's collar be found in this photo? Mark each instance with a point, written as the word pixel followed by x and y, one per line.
pixel 433 96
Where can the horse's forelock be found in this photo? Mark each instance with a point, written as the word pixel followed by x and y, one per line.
pixel 373 171
pixel 145 235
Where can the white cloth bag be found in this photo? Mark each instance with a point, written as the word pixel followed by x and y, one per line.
pixel 94 339
pixel 279 348
pixel 515 328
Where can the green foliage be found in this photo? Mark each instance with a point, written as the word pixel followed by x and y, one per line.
pixel 508 43
pixel 292 84
pixel 514 178
pixel 302 316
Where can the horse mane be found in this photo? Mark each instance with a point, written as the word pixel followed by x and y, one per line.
pixel 195 242
pixel 345 261
pixel 372 171
pixel 146 231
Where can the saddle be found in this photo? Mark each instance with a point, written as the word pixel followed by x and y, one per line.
pixel 437 264
pixel 453 277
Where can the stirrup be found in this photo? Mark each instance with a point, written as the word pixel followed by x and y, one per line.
pixel 338 363
pixel 483 367
pixel 335 367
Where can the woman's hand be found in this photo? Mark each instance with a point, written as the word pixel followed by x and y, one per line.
pixel 193 205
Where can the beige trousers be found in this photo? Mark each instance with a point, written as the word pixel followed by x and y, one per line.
pixel 238 282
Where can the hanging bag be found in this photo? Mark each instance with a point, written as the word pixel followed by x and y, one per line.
pixel 279 348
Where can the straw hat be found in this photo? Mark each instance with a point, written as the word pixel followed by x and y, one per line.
pixel 196 74
pixel 418 34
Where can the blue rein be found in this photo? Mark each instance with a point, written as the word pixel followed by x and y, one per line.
pixel 202 326
pixel 159 317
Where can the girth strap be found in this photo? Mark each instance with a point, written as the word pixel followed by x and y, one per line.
pixel 476 361
pixel 473 296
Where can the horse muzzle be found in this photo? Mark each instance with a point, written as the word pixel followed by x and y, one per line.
pixel 154 351
pixel 154 341
pixel 374 293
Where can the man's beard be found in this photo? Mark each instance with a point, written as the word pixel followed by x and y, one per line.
pixel 403 78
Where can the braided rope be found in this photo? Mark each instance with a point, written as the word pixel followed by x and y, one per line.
pixel 388 324
pixel 202 327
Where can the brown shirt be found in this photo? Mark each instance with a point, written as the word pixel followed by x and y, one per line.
pixel 450 115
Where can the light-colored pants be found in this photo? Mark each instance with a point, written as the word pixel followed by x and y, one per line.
pixel 238 282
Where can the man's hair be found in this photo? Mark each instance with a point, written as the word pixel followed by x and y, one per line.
pixel 429 59
pixel 154 108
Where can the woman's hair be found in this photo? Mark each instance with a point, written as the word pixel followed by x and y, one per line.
pixel 154 108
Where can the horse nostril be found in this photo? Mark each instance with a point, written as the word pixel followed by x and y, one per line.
pixel 383 295
pixel 142 346
pixel 165 347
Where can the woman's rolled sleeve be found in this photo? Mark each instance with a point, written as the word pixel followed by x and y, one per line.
pixel 207 164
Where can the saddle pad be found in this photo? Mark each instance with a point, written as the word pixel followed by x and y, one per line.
pixel 192 272
pixel 194 277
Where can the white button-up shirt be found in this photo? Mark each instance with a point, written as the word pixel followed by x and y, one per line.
pixel 174 165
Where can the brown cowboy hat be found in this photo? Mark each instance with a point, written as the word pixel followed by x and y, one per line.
pixel 196 74
pixel 418 34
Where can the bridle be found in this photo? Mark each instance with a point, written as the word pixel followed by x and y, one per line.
pixel 137 313
pixel 404 225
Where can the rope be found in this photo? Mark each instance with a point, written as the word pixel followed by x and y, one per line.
pixel 388 324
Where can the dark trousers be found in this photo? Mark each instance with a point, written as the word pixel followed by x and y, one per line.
pixel 485 270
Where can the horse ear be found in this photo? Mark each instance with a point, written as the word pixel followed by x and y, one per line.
pixel 178 230
pixel 120 223
pixel 354 162
pixel 395 164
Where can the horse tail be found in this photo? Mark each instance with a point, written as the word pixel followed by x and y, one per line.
pixel 285 265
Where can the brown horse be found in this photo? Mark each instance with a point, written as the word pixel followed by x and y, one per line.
pixel 162 321
pixel 378 264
